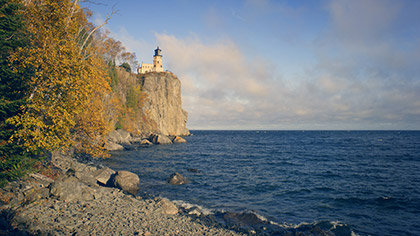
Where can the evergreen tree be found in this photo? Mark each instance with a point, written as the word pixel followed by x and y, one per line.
pixel 14 160
pixel 126 66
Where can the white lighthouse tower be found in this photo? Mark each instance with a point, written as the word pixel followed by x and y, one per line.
pixel 157 65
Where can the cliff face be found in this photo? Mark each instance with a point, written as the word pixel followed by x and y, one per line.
pixel 163 105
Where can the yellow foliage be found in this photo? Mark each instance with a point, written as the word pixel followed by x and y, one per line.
pixel 65 106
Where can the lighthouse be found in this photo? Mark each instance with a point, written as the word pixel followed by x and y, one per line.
pixel 157 65
pixel 157 60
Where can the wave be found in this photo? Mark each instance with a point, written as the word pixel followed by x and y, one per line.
pixel 254 223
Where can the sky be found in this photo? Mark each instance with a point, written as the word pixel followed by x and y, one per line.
pixel 281 64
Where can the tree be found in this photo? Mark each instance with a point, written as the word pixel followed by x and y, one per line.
pixel 14 160
pixel 126 66
pixel 130 59
pixel 64 107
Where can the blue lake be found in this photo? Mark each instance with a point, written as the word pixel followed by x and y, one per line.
pixel 369 180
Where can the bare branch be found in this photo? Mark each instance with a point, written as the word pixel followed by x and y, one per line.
pixel 108 17
pixel 95 3
pixel 73 9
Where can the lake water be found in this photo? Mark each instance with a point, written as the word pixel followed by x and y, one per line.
pixel 369 180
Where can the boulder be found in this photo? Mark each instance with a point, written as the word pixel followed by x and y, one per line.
pixel 167 207
pixel 145 142
pixel 119 136
pixel 111 146
pixel 86 178
pixel 103 175
pixel 177 179
pixel 70 189
pixel 126 181
pixel 178 139
pixel 159 139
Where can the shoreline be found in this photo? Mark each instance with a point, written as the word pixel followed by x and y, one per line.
pixel 29 208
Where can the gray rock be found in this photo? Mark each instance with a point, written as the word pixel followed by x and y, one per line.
pixel 126 181
pixel 120 136
pixel 159 139
pixel 177 179
pixel 103 175
pixel 85 177
pixel 111 146
pixel 70 189
pixel 167 207
pixel 178 139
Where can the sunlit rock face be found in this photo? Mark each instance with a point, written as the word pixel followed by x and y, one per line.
pixel 163 104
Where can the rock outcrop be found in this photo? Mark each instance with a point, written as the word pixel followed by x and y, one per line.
pixel 163 105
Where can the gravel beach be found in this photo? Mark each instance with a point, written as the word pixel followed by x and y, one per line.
pixel 79 206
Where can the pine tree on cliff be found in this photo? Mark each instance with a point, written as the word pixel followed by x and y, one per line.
pixel 14 160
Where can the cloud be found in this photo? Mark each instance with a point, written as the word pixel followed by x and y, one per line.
pixel 364 21
pixel 367 64
pixel 223 88
pixel 365 73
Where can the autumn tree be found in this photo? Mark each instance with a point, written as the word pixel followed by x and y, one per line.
pixel 112 48
pixel 14 160
pixel 130 59
pixel 64 106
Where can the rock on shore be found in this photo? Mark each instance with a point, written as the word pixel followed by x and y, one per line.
pixel 73 203
pixel 126 181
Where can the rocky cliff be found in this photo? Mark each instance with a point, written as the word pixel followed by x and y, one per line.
pixel 163 105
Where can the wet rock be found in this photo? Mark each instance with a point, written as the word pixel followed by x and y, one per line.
pixel 193 170
pixel 177 179
pixel 126 181
pixel 178 139
pixel 159 139
pixel 103 176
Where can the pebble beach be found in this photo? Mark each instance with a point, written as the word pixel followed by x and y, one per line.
pixel 29 208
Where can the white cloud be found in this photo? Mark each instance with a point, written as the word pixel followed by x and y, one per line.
pixel 222 88
pixel 366 75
